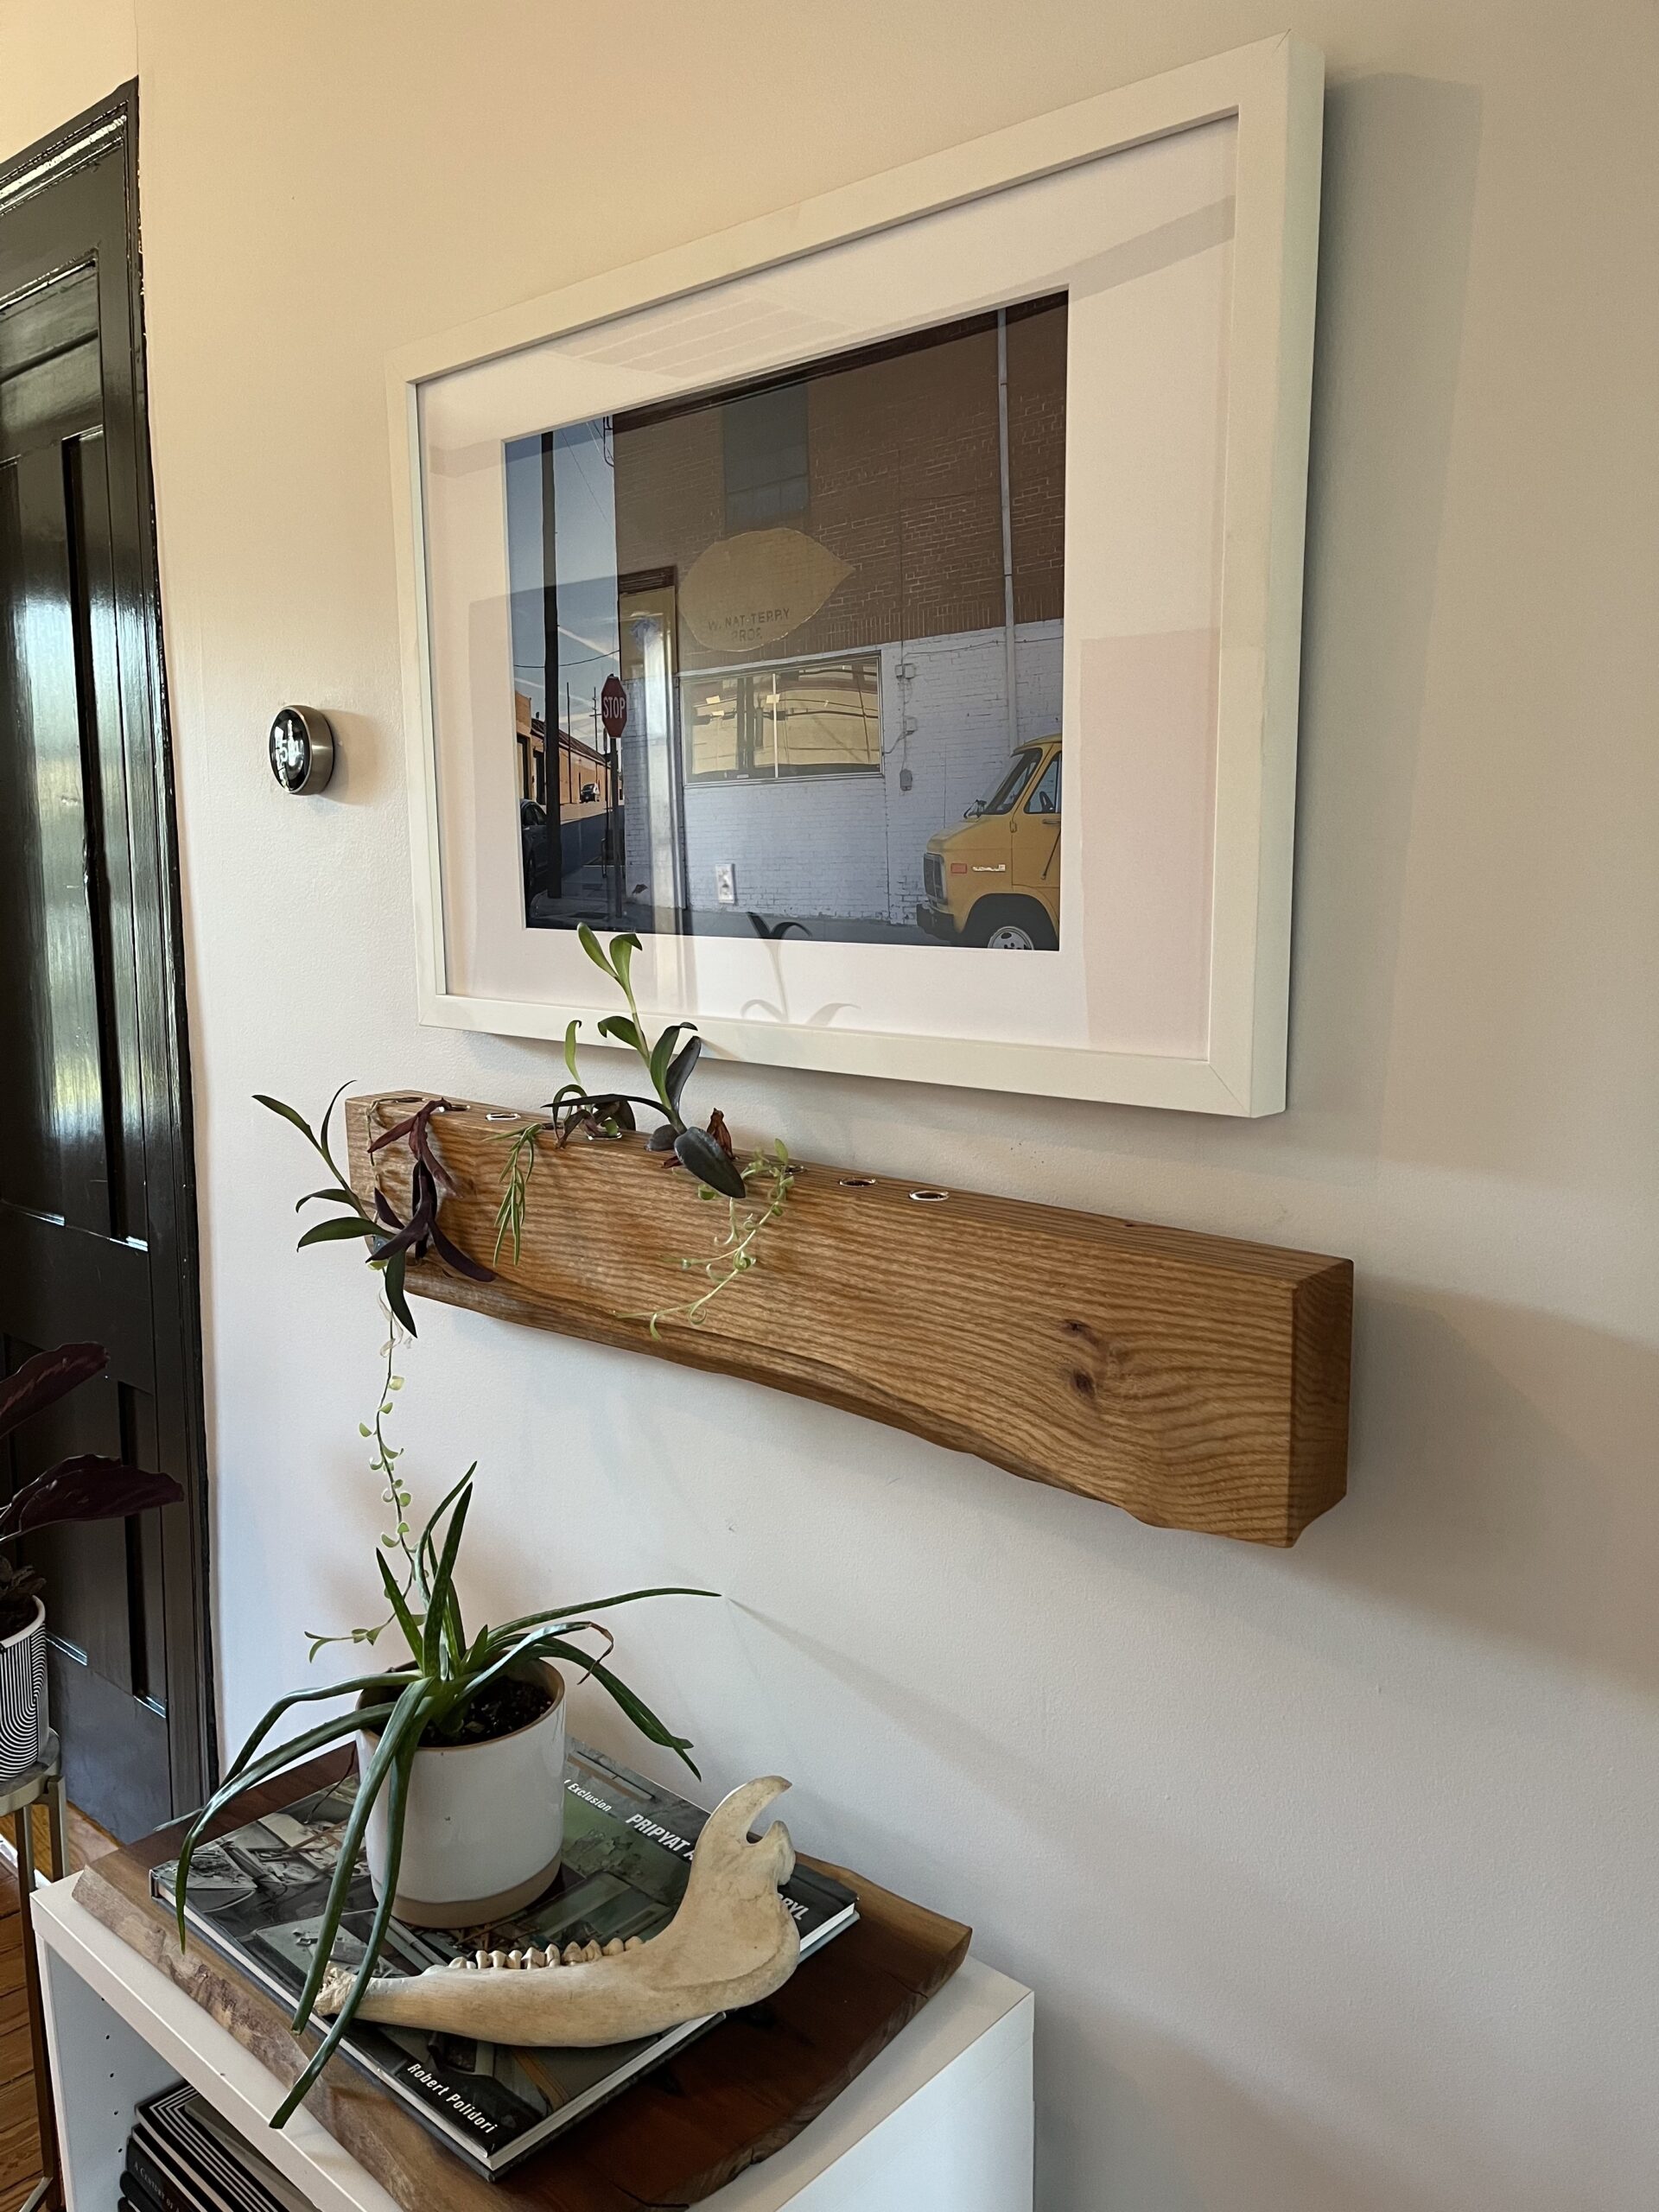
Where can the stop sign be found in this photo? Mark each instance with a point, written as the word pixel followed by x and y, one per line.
pixel 613 707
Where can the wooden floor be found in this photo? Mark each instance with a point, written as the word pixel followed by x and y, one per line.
pixel 20 2148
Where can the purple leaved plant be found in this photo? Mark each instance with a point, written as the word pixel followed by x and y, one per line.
pixel 84 1488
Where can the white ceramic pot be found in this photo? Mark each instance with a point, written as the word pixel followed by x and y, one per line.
pixel 23 1723
pixel 485 1823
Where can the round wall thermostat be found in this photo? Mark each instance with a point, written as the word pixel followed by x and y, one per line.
pixel 301 749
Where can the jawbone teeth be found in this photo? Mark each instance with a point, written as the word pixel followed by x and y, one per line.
pixel 574 1954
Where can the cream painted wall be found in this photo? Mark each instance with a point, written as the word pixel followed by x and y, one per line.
pixel 1333 1871
pixel 58 57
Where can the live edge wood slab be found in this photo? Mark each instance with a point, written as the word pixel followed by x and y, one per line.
pixel 732 2097
pixel 1197 1382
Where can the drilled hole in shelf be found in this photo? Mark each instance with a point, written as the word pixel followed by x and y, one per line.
pixel 506 1115
pixel 858 1182
pixel 929 1198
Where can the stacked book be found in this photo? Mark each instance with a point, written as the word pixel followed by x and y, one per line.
pixel 256 1896
pixel 183 2157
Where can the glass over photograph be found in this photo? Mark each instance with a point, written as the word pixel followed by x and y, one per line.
pixel 787 656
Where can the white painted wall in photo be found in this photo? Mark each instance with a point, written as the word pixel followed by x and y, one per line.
pixel 1141 241
pixel 851 845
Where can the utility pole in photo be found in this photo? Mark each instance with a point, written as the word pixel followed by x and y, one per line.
pixel 552 745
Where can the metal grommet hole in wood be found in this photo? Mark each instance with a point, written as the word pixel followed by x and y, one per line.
pixel 857 1182
pixel 929 1198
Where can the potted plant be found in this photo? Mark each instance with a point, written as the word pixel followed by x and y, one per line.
pixel 86 1487
pixel 461 1747
pixel 461 1755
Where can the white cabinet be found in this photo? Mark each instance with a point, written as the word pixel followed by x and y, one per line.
pixel 940 2121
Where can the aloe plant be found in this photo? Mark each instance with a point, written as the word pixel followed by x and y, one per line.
pixel 426 1700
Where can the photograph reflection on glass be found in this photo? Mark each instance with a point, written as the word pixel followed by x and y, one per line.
pixel 787 656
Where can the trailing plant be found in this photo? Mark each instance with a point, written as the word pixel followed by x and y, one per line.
pixel 432 1700
pixel 383 1465
pixel 734 1252
pixel 86 1487
pixel 390 1241
pixel 669 1059
pixel 755 1193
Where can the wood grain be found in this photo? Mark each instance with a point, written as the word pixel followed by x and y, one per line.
pixel 732 2097
pixel 1198 1382
pixel 20 2140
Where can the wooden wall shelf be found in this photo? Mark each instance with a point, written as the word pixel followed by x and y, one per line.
pixel 1197 1382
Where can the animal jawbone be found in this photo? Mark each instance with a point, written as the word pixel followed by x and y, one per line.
pixel 732 1942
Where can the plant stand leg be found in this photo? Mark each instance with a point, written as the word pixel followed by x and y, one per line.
pixel 46 2193
pixel 57 1816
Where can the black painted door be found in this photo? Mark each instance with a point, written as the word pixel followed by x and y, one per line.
pixel 96 1207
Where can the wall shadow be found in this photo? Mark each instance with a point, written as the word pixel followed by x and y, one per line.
pixel 1401 157
pixel 1504 1477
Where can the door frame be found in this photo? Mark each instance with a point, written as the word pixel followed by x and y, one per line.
pixel 110 129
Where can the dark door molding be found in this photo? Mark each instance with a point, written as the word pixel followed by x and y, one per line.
pixel 106 135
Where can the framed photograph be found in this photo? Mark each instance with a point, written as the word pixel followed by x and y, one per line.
pixel 902 583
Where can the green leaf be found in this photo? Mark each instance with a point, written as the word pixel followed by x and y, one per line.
pixel 499 1661
pixel 409 1716
pixel 661 1053
pixel 455 1662
pixel 404 1618
pixel 444 1504
pixel 357 1682
pixel 596 1605
pixel 618 1026
pixel 634 1707
pixel 590 944
pixel 442 1584
pixel 336 1192
pixel 681 1066
pixel 570 1050
pixel 392 1275
pixel 397 1806
pixel 696 1150
pixel 275 1106
pixel 246 1776
pixel 322 1142
pixel 332 1232
pixel 454 1631
pixel 622 951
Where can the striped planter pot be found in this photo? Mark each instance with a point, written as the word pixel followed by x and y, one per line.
pixel 23 1698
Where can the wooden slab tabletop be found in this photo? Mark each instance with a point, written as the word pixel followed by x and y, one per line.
pixel 670 2138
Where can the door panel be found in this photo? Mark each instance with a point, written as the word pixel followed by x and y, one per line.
pixel 51 1121
pixel 97 1221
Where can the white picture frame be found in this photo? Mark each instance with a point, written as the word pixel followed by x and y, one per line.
pixel 1271 93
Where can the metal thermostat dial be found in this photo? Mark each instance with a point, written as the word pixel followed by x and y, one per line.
pixel 301 747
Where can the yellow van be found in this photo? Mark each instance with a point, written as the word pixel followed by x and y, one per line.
pixel 995 881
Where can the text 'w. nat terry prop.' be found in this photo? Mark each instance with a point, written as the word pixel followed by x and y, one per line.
pixel 753 590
